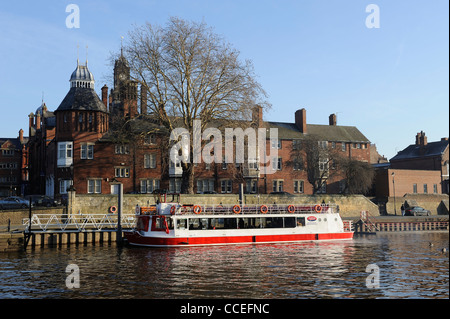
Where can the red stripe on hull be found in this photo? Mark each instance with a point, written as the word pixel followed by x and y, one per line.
pixel 136 239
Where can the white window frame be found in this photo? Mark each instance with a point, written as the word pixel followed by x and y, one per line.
pixel 150 160
pixel 87 151
pixel 122 171
pixel 226 186
pixel 149 185
pixel 94 186
pixel 299 186
pixel 204 185
pixel 175 185
pixel 65 154
pixel 64 184
pixel 277 185
pixel 121 149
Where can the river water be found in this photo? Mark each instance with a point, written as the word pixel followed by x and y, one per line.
pixel 395 265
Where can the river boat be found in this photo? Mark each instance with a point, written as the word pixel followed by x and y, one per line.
pixel 171 224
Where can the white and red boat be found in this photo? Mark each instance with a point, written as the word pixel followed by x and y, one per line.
pixel 173 224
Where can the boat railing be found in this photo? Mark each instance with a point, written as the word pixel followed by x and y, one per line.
pixel 255 209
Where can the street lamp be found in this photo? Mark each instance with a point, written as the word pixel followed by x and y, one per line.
pixel 393 184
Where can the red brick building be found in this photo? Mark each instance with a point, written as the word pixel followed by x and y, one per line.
pixel 420 168
pixel 13 163
pixel 76 146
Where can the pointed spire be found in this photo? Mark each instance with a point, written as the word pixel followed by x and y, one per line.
pixel 86 55
pixel 121 45
pixel 78 54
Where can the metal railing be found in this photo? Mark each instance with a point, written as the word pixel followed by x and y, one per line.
pixel 255 209
pixel 78 222
pixel 348 226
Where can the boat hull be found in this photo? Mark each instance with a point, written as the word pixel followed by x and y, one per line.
pixel 135 238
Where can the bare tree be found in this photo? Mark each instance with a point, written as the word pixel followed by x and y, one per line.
pixel 314 156
pixel 191 73
pixel 358 176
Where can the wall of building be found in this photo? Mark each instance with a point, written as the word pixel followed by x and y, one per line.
pixel 404 182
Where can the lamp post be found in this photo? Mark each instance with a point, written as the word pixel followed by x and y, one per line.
pixel 119 213
pixel 393 184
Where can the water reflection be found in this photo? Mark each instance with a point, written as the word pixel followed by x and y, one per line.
pixel 409 268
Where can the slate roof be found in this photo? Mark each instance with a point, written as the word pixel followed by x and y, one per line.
pixel 84 99
pixel 334 133
pixel 14 141
pixel 413 151
pixel 286 131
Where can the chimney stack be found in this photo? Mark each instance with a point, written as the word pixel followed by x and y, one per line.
pixel 423 139
pixel 300 120
pixel 31 123
pixel 38 121
pixel 143 99
pixel 105 95
pixel 333 120
pixel 417 139
pixel 21 136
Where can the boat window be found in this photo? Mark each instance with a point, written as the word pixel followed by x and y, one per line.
pixel 272 222
pixel 169 221
pixel 181 223
pixel 142 223
pixel 246 223
pixel 161 223
pixel 289 222
pixel 300 221
pixel 157 225
pixel 222 223
pixel 198 223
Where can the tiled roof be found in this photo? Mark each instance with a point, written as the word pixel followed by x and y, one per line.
pixel 335 133
pixel 84 99
pixel 413 151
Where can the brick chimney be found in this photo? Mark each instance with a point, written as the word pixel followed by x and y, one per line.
pixel 423 139
pixel 31 116
pixel 257 115
pixel 332 119
pixel 143 100
pixel 21 136
pixel 300 120
pixel 38 121
pixel 105 95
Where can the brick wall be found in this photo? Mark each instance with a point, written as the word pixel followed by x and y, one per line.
pixel 404 182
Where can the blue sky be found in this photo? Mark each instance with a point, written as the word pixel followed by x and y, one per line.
pixel 390 82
